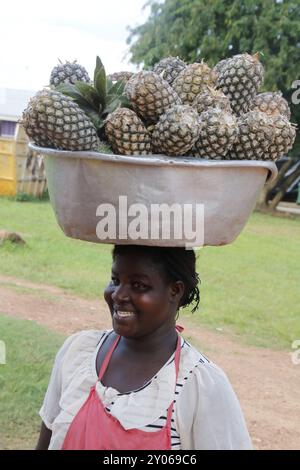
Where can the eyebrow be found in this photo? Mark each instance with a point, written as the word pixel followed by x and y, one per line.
pixel 145 276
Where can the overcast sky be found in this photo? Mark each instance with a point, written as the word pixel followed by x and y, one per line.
pixel 35 33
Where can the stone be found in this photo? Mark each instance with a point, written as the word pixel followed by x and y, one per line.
pixel 11 236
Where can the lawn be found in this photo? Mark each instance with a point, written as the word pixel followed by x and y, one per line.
pixel 30 351
pixel 250 288
pixel 49 256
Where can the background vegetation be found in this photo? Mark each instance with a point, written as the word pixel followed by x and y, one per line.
pixel 198 30
pixel 250 287
pixel 214 30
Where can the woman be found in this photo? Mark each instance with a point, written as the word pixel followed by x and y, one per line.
pixel 141 385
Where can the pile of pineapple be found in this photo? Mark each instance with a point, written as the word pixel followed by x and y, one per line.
pixel 176 109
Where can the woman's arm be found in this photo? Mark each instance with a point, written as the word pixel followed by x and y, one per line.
pixel 50 408
pixel 44 438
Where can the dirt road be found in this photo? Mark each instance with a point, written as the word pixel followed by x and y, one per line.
pixel 266 382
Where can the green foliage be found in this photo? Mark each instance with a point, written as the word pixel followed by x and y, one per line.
pixel 100 81
pixel 215 30
pixel 105 148
pixel 24 197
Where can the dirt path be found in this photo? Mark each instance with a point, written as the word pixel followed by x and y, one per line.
pixel 266 382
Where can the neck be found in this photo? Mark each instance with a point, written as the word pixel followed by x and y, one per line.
pixel 164 337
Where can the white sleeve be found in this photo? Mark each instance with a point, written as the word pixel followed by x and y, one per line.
pixel 210 416
pixel 50 408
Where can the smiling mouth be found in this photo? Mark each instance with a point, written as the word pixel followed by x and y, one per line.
pixel 123 314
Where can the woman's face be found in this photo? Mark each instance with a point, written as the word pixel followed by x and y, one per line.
pixel 139 298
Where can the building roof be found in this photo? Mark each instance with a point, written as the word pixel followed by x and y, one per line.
pixel 13 102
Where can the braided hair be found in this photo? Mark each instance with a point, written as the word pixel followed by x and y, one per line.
pixel 178 264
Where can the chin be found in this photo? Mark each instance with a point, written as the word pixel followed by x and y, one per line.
pixel 120 329
pixel 123 331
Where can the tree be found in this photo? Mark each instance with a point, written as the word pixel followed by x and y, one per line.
pixel 217 29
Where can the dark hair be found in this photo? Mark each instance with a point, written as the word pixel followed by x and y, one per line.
pixel 178 264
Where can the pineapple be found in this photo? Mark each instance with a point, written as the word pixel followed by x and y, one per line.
pixel 256 133
pixel 211 98
pixel 72 116
pixel 169 68
pixel 271 103
pixel 69 72
pixel 150 128
pixel 54 120
pixel 150 95
pixel 176 109
pixel 176 131
pixel 31 126
pixel 217 68
pixel 117 76
pixel 126 133
pixel 99 99
pixel 218 133
pixel 285 134
pixel 193 80
pixel 240 78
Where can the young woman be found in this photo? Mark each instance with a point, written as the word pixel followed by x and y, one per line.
pixel 141 385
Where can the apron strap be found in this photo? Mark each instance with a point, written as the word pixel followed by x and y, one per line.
pixel 107 358
pixel 177 359
pixel 179 328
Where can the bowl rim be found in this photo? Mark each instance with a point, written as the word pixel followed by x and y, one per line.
pixel 159 160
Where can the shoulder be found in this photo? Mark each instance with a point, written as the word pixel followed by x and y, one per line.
pixel 201 373
pixel 79 343
pixel 208 408
pixel 86 337
pixel 207 391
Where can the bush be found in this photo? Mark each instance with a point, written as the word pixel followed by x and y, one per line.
pixel 24 197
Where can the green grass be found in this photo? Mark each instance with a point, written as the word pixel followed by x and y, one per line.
pixel 253 285
pixel 250 288
pixel 30 352
pixel 49 256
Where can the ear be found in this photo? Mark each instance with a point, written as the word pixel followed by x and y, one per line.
pixel 177 289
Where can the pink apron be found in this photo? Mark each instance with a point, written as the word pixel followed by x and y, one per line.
pixel 93 428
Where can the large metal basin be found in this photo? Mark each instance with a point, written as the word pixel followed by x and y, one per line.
pixel 79 182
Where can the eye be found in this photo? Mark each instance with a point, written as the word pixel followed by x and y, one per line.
pixel 139 285
pixel 114 281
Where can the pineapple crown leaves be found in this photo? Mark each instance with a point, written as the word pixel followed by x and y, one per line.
pixel 97 99
pixel 67 62
pixel 100 82
pixel 258 55
pixel 86 99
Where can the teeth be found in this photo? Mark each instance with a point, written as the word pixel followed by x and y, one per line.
pixel 124 314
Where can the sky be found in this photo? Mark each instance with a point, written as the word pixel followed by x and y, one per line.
pixel 34 34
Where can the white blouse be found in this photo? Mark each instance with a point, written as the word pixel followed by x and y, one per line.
pixel 206 412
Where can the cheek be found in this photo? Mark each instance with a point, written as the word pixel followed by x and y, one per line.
pixel 152 302
pixel 108 293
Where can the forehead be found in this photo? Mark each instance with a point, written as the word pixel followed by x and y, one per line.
pixel 136 264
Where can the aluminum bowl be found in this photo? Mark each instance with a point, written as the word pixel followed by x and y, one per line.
pixel 80 182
